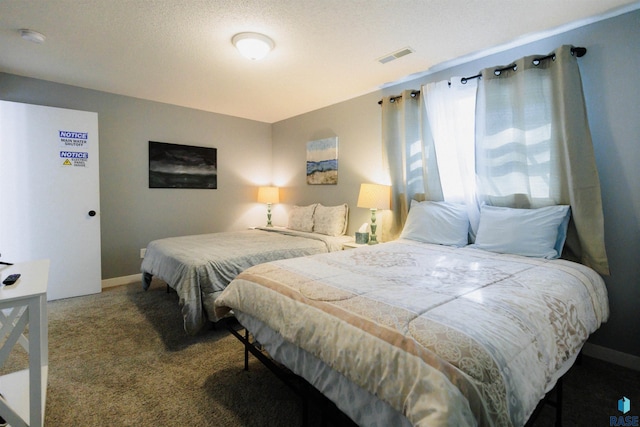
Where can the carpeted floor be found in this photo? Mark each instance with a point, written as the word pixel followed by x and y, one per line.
pixel 122 358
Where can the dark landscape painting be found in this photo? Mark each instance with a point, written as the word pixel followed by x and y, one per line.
pixel 182 166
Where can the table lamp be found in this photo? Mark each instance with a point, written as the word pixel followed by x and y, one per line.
pixel 374 197
pixel 268 195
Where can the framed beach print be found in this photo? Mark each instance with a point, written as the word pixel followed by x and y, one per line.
pixel 322 161
pixel 182 166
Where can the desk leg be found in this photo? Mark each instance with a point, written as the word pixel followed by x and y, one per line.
pixel 37 356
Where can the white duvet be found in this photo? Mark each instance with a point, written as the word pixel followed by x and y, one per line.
pixel 445 336
pixel 199 267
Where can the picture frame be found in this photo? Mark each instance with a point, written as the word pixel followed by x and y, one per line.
pixel 182 166
pixel 322 161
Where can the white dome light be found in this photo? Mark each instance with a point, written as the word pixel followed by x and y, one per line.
pixel 253 45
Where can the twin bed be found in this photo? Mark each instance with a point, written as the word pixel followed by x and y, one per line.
pixel 199 267
pixel 415 332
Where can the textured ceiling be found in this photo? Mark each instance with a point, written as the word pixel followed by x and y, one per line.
pixel 327 51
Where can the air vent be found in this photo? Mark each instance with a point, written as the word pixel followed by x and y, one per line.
pixel 395 55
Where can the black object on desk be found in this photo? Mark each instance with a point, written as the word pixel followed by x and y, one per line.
pixel 11 279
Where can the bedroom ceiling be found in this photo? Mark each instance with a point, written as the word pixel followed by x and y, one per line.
pixel 326 51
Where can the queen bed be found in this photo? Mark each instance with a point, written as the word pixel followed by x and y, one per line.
pixel 199 267
pixel 417 333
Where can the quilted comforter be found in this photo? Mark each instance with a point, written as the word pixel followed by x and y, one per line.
pixel 199 267
pixel 445 336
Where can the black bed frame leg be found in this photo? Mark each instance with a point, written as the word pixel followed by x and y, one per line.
pixel 246 350
pixel 559 403
pixel 305 411
pixel 146 280
pixel 556 403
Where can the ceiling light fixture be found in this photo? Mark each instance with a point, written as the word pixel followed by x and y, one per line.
pixel 32 36
pixel 254 46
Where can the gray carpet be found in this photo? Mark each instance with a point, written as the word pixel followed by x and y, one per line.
pixel 122 358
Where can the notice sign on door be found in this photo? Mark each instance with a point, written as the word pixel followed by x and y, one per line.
pixel 73 142
pixel 74 158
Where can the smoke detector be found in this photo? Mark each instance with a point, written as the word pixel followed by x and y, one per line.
pixel 32 36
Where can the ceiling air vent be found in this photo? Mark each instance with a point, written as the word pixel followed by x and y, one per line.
pixel 395 55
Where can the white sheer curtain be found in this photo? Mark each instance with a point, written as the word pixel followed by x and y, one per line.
pixel 450 112
pixel 517 158
pixel 533 147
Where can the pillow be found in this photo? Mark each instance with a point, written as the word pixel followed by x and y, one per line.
pixel 441 223
pixel 530 232
pixel 301 218
pixel 562 232
pixel 330 220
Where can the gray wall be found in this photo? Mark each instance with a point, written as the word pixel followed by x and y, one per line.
pixel 131 213
pixel 357 125
pixel 609 73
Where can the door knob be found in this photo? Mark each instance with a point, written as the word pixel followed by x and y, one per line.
pixel 92 213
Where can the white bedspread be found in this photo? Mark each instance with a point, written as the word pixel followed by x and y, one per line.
pixel 199 267
pixel 445 336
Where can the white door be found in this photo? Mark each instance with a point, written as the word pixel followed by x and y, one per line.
pixel 49 194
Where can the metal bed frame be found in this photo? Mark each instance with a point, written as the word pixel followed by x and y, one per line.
pixel 307 393
pixel 330 412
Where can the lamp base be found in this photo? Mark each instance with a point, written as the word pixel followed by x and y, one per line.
pixel 269 215
pixel 373 239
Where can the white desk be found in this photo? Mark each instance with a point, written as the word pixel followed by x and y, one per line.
pixel 21 304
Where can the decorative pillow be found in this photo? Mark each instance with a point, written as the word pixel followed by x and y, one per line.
pixel 530 232
pixel 441 223
pixel 301 218
pixel 331 220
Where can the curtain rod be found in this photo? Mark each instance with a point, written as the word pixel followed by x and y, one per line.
pixel 393 98
pixel 577 51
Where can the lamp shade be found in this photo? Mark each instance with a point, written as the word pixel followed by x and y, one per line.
pixel 374 196
pixel 268 195
pixel 253 46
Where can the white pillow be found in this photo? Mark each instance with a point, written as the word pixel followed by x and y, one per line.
pixel 301 218
pixel 530 232
pixel 441 223
pixel 330 220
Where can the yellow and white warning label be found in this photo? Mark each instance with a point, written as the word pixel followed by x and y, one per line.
pixel 74 158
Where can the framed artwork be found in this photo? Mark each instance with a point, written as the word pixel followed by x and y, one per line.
pixel 182 166
pixel 322 161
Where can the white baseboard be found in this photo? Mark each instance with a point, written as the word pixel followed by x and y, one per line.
pixel 123 280
pixel 613 356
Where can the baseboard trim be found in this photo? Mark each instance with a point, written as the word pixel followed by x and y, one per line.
pixel 123 280
pixel 616 357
